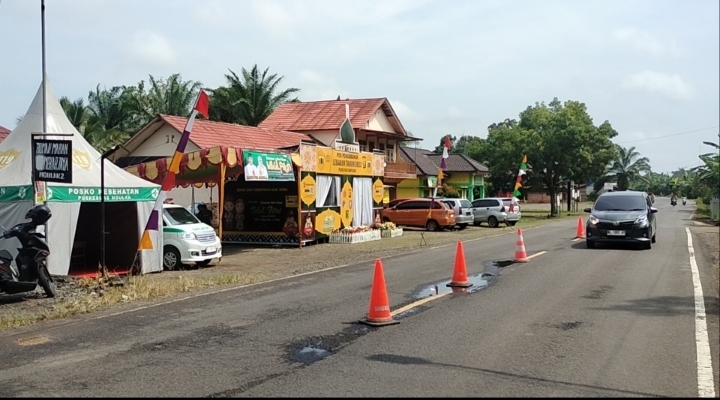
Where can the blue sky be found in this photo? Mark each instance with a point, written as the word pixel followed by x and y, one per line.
pixel 448 67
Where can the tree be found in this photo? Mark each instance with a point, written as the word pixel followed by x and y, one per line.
pixel 502 153
pixel 171 96
pixel 439 147
pixel 560 141
pixel 75 111
pixel 250 98
pixel 471 146
pixel 627 166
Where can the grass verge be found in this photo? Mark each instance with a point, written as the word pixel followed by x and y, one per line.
pixel 97 296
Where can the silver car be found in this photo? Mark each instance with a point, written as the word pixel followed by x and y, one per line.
pixel 495 210
pixel 463 211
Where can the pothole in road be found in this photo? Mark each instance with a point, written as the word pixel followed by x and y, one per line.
pixel 479 281
pixel 313 349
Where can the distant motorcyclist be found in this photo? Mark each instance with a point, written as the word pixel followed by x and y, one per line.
pixel 673 198
pixel 652 198
pixel 684 200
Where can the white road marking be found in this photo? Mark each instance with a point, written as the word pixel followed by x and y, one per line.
pixel 536 254
pixel 706 385
pixel 417 303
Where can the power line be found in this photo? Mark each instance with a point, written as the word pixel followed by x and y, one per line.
pixel 675 134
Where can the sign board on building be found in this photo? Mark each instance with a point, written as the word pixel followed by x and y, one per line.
pixel 52 160
pixel 335 162
pixel 261 166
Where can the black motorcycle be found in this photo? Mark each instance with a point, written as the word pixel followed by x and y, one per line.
pixel 673 203
pixel 32 256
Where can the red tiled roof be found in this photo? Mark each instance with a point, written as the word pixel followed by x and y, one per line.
pixel 4 132
pixel 208 134
pixel 328 114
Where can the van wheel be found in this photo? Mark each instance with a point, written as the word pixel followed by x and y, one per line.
pixel 493 222
pixel 432 225
pixel 171 258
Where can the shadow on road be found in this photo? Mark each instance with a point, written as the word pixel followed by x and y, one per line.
pixel 405 360
pixel 665 306
pixel 580 245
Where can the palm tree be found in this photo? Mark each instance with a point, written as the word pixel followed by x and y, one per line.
pixel 75 111
pixel 627 166
pixel 171 96
pixel 249 99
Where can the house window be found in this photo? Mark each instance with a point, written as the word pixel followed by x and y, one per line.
pixel 382 146
pixel 363 145
pixel 371 146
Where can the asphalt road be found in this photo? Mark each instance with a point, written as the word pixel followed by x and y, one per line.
pixel 608 322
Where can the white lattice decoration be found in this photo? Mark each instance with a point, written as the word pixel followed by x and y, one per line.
pixel 359 237
pixel 391 233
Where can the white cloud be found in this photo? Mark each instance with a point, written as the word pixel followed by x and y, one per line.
pixel 644 41
pixel 316 86
pixel 405 114
pixel 152 48
pixel 657 82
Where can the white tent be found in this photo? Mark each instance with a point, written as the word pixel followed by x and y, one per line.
pixel 65 200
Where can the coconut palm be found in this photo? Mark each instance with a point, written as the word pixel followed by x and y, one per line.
pixel 76 112
pixel 627 166
pixel 171 96
pixel 250 98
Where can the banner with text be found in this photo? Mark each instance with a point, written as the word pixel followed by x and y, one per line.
pixel 334 162
pixel 268 166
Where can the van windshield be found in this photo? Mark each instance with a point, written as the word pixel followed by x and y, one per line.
pixel 179 216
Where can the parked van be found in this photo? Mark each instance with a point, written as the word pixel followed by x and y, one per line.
pixel 186 239
pixel 414 212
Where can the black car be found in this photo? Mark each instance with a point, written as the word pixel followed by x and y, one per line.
pixel 626 216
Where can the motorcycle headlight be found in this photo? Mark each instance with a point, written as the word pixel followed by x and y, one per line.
pixel 593 220
pixel 641 220
pixel 189 236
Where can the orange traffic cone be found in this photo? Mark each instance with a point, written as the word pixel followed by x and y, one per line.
pixel 379 312
pixel 580 233
pixel 459 278
pixel 520 254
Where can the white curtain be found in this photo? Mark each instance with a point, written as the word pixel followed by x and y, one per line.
pixel 62 226
pixel 362 202
pixel 328 190
pixel 323 189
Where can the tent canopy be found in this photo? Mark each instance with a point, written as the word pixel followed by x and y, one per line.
pixel 16 162
pixel 131 196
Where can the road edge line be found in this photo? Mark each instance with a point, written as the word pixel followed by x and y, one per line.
pixel 705 379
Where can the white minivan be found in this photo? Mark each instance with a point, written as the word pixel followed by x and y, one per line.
pixel 186 239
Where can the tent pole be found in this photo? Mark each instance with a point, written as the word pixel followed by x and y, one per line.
pixel 221 201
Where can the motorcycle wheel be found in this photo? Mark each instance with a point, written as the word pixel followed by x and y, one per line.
pixel 46 281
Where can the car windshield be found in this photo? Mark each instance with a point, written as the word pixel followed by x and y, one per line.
pixel 465 204
pixel 620 203
pixel 179 216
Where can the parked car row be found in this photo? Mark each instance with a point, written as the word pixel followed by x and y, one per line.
pixel 449 213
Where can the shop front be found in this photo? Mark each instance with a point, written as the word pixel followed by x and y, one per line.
pixel 279 197
pixel 339 190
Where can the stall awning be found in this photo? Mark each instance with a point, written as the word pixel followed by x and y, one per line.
pixel 199 167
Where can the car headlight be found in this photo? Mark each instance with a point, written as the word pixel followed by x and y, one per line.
pixel 189 236
pixel 641 220
pixel 593 220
